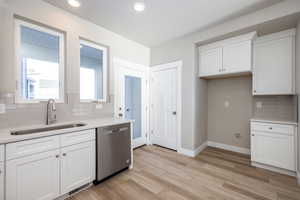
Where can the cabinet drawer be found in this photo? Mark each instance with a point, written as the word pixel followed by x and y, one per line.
pixel 29 147
pixel 77 137
pixel 274 128
pixel 1 153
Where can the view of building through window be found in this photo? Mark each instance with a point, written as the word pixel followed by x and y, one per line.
pixel 39 60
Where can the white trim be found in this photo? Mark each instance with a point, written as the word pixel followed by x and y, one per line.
pixel 105 51
pixel 229 147
pixel 130 65
pixel 120 65
pixel 193 153
pixel 298 177
pixel 18 96
pixel 222 43
pixel 178 65
pixel 274 169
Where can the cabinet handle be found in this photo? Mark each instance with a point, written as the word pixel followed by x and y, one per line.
pixel 64 154
pixel 57 156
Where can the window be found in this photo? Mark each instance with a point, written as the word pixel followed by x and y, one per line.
pixel 40 63
pixel 93 71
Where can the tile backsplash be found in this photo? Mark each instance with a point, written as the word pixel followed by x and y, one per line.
pixel 275 107
pixel 17 115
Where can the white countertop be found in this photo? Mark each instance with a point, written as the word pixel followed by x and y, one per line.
pixel 6 137
pixel 288 122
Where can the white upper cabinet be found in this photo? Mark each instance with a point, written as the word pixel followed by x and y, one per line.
pixel 228 57
pixel 237 57
pixel 274 64
pixel 211 61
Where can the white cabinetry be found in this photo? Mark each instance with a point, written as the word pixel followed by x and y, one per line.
pixel 237 57
pixel 46 168
pixel 34 177
pixel 77 166
pixel 211 61
pixel 2 171
pixel 274 145
pixel 274 64
pixel 227 57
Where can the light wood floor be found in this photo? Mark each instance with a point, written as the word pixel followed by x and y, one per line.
pixel 214 174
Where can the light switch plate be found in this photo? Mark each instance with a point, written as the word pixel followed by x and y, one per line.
pixel 2 108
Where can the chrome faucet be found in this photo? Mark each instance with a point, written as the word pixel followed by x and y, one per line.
pixel 51 112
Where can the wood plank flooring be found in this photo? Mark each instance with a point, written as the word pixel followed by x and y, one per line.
pixel 161 174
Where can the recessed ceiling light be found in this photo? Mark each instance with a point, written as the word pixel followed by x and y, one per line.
pixel 139 6
pixel 74 3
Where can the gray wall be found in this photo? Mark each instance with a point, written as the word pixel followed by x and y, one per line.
pixel 194 90
pixel 230 111
pixel 73 27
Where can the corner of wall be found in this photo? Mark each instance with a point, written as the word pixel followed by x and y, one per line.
pixel 298 90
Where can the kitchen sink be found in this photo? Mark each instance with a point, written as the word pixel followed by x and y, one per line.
pixel 44 129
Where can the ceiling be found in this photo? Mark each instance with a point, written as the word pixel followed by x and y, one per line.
pixel 163 20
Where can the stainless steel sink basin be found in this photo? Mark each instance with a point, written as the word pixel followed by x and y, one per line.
pixel 44 129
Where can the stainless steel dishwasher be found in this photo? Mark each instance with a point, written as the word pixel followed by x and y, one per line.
pixel 113 150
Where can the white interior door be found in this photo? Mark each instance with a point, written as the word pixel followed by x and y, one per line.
pixel 164 106
pixel 131 100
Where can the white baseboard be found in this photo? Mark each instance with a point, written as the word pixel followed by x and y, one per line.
pixel 274 169
pixel 193 153
pixel 229 147
pixel 298 177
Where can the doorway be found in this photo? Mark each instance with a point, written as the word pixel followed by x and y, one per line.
pixel 165 101
pixel 132 98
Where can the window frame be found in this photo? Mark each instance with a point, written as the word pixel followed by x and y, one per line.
pixel 18 59
pixel 105 50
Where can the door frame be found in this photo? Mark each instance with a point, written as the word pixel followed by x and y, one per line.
pixel 120 63
pixel 178 65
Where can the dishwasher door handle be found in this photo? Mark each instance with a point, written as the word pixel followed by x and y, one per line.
pixel 115 131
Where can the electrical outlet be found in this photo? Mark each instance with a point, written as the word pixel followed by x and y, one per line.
pixel 259 104
pixel 2 108
pixel 99 106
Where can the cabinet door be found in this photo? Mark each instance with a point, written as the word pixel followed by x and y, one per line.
pixel 77 166
pixel 210 62
pixel 237 57
pixel 33 177
pixel 273 149
pixel 1 181
pixel 274 67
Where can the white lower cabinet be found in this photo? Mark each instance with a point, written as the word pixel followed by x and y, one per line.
pixel 33 177
pixel 77 166
pixel 274 145
pixel 36 175
pixel 1 181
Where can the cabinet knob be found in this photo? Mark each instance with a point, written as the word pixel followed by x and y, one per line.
pixel 254 91
pixel 57 156
pixel 270 128
pixel 64 154
pixel 253 135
